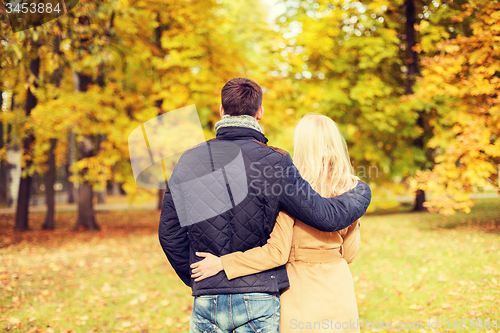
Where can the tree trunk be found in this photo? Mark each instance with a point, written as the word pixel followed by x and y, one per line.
pixel 4 172
pixel 158 103
pixel 161 194
pixel 25 184
pixel 419 202
pixel 412 56
pixel 71 161
pixel 50 179
pixel 115 188
pixel 101 196
pixel 11 168
pixel 3 163
pixel 413 71
pixel 420 194
pixel 86 216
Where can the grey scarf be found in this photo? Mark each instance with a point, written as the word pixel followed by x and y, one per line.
pixel 238 121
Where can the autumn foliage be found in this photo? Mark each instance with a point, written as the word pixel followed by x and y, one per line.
pixel 459 90
pixel 106 67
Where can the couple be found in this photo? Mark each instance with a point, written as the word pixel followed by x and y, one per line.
pixel 308 220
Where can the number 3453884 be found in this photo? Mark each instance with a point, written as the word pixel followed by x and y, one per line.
pixel 468 324
pixel 32 8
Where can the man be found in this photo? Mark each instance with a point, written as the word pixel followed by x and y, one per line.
pixel 224 196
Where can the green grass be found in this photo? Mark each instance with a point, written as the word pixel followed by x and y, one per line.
pixel 411 267
pixel 114 280
pixel 414 267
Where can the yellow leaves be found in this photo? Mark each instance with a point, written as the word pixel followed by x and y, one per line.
pixel 424 24
pixel 494 282
pixel 329 64
pixel 479 56
pixel 451 48
pixel 169 322
pixel 493 149
pixel 106 288
pixel 415 307
pixel 495 28
pixel 141 299
pixel 449 190
pixel 495 15
pixel 417 48
pixel 447 306
pixel 442 277
pixel 464 74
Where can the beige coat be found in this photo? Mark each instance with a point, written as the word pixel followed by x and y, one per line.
pixel 321 295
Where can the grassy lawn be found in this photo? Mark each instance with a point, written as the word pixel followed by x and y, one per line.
pixel 416 267
pixel 411 268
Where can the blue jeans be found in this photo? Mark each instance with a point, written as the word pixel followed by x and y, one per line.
pixel 238 313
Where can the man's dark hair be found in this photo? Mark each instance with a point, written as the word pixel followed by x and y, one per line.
pixel 241 96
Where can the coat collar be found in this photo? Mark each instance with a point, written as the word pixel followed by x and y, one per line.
pixel 240 133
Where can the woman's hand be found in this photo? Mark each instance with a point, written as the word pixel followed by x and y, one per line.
pixel 207 267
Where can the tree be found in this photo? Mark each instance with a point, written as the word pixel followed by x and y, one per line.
pixel 44 116
pixel 22 209
pixel 459 88
pixel 3 166
pixel 412 72
pixel 86 215
pixel 50 178
pixel 50 174
pixel 22 66
pixel 118 64
pixel 346 61
pixel 357 62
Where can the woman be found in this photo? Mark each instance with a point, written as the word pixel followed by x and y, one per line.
pixel 321 296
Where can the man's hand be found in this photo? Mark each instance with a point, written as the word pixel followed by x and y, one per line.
pixel 207 267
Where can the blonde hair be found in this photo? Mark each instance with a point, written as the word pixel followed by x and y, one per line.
pixel 321 156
